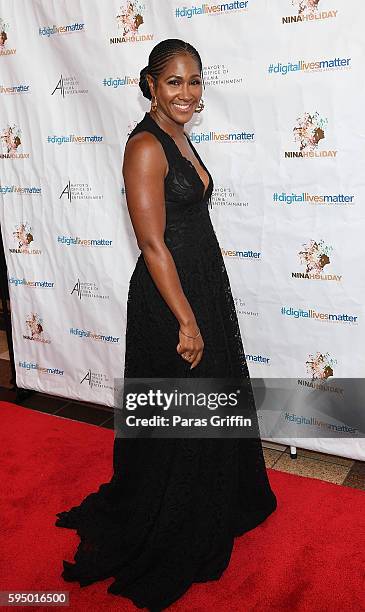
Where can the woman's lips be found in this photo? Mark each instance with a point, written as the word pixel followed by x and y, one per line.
pixel 183 108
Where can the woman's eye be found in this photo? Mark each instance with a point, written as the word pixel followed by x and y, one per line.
pixel 176 82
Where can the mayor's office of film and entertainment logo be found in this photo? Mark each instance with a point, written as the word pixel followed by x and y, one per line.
pixel 308 11
pixel 131 23
pixel 68 85
pixel 12 142
pixel 223 196
pixel 309 132
pixel 74 192
pixel 35 329
pixel 97 380
pixel 221 75
pixel 23 236
pixel 315 256
pixel 242 308
pixel 5 38
pixel 88 290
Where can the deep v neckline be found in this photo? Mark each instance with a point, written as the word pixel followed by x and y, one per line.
pixel 205 189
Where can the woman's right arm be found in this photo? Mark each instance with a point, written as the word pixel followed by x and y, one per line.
pixel 144 169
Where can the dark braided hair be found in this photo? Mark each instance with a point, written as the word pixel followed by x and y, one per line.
pixel 158 58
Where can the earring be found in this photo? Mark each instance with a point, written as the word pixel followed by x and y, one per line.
pixel 200 106
pixel 154 104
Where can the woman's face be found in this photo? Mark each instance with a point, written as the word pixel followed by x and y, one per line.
pixel 179 88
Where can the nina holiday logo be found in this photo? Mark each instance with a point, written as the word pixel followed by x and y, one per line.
pixel 23 235
pixel 11 141
pixel 308 11
pixel 5 38
pixel 35 329
pixel 306 7
pixel 321 369
pixel 320 366
pixel 309 132
pixel 130 18
pixel 315 256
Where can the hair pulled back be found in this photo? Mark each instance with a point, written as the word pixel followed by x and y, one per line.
pixel 158 58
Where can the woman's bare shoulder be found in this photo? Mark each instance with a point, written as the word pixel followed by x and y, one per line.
pixel 145 147
pixel 143 141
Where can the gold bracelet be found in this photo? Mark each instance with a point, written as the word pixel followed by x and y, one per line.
pixel 192 337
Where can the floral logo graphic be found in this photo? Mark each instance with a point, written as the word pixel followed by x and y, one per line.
pixel 320 366
pixel 34 324
pixel 23 235
pixel 130 17
pixel 35 329
pixel 10 139
pixel 309 131
pixel 306 7
pixel 3 33
pixel 315 256
pixel 131 127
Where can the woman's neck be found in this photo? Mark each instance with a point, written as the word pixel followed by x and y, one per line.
pixel 170 126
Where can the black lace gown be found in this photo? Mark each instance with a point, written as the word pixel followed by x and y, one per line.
pixel 170 513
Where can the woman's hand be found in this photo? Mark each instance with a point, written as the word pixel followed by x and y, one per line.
pixel 190 349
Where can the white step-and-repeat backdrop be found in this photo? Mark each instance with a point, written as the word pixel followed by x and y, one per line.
pixel 282 133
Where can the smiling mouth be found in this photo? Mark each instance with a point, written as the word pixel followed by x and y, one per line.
pixel 184 108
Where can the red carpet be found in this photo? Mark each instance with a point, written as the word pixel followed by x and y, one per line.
pixel 308 556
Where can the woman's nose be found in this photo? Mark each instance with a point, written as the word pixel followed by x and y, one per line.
pixel 185 91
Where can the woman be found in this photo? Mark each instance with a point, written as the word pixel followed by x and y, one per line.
pixel 169 515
